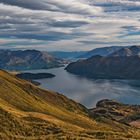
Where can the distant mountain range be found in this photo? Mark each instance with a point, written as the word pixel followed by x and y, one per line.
pixel 104 51
pixel 125 52
pixel 29 112
pixel 122 64
pixel 27 59
pixel 67 55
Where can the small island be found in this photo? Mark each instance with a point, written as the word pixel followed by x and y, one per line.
pixel 34 76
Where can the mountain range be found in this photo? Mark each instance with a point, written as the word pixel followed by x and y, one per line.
pixel 28 59
pixel 29 112
pixel 67 55
pixel 104 51
pixel 122 64
pixel 35 59
pixel 126 52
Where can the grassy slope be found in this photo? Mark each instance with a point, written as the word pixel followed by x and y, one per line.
pixel 29 112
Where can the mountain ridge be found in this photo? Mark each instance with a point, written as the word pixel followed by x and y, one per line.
pixel 67 55
pixel 118 65
pixel 130 51
pixel 27 59
pixel 103 51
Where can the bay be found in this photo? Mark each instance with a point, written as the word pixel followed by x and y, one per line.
pixel 89 91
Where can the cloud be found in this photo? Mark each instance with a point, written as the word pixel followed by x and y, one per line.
pixel 69 6
pixel 69 24
pixel 119 5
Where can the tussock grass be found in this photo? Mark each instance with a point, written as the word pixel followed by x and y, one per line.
pixel 31 113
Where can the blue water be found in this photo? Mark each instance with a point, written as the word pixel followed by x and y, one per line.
pixel 89 91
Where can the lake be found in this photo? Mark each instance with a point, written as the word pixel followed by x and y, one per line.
pixel 89 91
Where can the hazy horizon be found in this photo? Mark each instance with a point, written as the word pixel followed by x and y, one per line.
pixel 45 49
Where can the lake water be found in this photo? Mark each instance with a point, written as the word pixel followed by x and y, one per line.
pixel 89 91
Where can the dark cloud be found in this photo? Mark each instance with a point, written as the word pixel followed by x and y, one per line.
pixel 117 5
pixel 30 4
pixel 68 24
pixel 13 44
pixel 74 7
pixel 50 36
pixel 81 22
pixel 88 42
pixel 129 27
pixel 33 20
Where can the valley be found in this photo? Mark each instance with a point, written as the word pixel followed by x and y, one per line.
pixel 53 103
pixel 69 69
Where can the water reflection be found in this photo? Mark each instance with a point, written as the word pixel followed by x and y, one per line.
pixel 89 91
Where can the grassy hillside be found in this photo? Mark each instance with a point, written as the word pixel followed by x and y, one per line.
pixel 28 112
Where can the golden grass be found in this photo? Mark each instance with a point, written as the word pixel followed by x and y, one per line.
pixel 29 112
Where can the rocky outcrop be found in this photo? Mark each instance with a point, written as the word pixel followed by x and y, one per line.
pixel 115 111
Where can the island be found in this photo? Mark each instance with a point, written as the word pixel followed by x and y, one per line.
pixel 34 76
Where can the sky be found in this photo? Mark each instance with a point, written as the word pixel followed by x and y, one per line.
pixel 68 25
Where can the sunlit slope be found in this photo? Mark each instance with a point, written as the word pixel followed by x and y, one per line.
pixel 24 96
pixel 20 99
pixel 28 112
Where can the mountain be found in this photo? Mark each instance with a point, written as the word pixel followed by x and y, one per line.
pixel 124 52
pixel 27 59
pixel 122 64
pixel 67 55
pixel 104 51
pixel 29 112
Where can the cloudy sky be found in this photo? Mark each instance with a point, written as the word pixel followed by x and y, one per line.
pixel 68 24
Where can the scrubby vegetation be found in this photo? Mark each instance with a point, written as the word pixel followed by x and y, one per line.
pixel 28 112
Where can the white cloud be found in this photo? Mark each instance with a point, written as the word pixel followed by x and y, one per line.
pixel 66 24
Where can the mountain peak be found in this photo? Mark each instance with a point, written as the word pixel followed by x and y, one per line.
pixel 104 51
pixel 124 52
